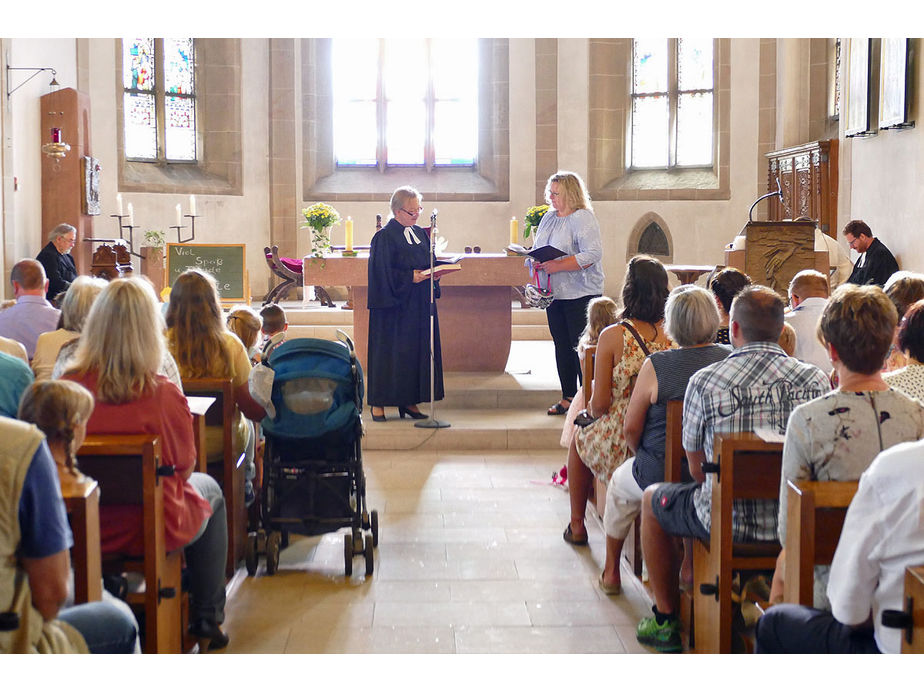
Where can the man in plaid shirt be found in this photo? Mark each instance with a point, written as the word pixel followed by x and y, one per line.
pixel 757 385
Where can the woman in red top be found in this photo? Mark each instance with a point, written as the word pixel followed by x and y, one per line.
pixel 118 357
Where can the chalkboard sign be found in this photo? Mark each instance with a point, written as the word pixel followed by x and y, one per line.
pixel 224 262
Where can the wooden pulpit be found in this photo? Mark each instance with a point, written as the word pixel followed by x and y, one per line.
pixel 775 251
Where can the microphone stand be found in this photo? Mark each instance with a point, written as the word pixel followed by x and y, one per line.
pixel 778 192
pixel 432 422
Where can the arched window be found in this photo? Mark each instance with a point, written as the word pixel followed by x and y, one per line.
pixel 412 102
pixel 159 99
pixel 672 110
pixel 654 241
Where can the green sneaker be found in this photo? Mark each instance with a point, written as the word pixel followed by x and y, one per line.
pixel 664 637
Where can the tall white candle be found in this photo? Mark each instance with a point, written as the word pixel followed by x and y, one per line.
pixel 131 215
pixel 179 215
pixel 119 204
pixel 192 205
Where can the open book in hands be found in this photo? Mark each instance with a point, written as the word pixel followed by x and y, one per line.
pixel 443 266
pixel 440 270
pixel 542 254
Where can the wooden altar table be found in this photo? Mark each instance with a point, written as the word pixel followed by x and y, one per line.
pixel 474 309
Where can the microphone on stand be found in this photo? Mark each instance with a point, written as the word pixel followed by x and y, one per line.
pixel 432 422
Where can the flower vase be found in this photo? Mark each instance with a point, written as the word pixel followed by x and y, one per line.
pixel 320 241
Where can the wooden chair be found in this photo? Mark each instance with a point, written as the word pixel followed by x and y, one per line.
pixel 911 619
pixel 128 470
pixel 227 469
pixel 745 467
pixel 286 268
pixel 675 457
pixel 815 514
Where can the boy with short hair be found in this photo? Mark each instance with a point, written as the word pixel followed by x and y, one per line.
pixel 274 328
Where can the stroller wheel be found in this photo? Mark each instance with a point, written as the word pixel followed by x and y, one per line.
pixel 348 554
pixel 272 553
pixel 250 557
pixel 369 556
pixel 375 527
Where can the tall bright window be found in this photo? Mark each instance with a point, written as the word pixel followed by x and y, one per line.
pixel 672 103
pixel 159 93
pixel 412 102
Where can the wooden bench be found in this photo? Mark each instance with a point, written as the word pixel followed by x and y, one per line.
pixel 815 514
pixel 911 618
pixel 745 467
pixel 228 469
pixel 128 470
pixel 81 500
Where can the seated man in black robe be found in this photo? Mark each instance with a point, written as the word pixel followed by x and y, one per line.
pixel 57 261
pixel 876 263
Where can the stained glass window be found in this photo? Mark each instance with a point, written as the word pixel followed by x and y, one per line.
pixel 672 103
pixel 405 103
pixel 159 102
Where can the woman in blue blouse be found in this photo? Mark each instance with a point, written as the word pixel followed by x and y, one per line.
pixel 575 278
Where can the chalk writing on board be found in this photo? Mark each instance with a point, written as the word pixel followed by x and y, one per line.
pixel 224 262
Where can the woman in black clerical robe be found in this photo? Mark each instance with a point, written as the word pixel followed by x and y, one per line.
pixel 398 361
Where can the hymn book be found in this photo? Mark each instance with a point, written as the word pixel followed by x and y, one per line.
pixel 542 254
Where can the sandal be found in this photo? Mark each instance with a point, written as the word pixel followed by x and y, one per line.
pixel 609 588
pixel 557 409
pixel 571 539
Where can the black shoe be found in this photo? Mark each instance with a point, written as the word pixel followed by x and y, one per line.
pixel 209 635
pixel 413 414
pixel 378 417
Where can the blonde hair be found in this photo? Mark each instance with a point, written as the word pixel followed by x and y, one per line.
pixel 196 325
pixel 57 407
pixel 122 341
pixel 571 188
pixel 245 323
pixel 78 300
pixel 601 313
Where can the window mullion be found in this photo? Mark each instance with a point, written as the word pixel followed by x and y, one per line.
pixel 160 109
pixel 381 110
pixel 673 86
pixel 430 105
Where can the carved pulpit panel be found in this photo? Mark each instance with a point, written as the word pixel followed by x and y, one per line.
pixel 776 251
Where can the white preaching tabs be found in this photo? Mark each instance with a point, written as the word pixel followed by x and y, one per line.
pixel 409 234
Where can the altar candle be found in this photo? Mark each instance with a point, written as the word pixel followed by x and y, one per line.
pixel 514 231
pixel 192 205
pixel 119 204
pixel 131 215
pixel 179 215
pixel 349 234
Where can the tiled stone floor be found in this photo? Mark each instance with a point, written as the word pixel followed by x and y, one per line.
pixel 470 560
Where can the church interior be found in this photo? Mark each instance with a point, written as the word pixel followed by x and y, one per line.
pixel 471 558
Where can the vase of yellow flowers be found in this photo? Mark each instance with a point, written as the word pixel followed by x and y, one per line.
pixel 320 218
pixel 533 217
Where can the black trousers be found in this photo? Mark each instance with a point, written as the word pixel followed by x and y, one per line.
pixel 567 319
pixel 797 629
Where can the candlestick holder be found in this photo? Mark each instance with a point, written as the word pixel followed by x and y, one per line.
pixel 131 234
pixel 348 253
pixel 192 225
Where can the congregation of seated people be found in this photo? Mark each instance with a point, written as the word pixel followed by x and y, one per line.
pixel 107 362
pixel 839 373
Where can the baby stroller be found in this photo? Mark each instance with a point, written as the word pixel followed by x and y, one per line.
pixel 313 480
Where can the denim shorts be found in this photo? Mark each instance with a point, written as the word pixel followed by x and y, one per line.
pixel 672 505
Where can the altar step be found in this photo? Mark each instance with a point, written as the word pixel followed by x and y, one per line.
pixel 470 429
pixel 314 320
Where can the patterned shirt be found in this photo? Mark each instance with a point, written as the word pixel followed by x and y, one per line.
pixel 757 385
pixel 576 234
pixel 909 380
